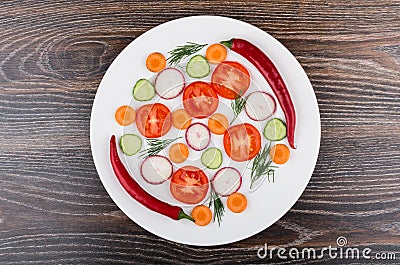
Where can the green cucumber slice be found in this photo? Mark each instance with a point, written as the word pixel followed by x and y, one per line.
pixel 275 130
pixel 212 158
pixel 198 67
pixel 130 144
pixel 143 90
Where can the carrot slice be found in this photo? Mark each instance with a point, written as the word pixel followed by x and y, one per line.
pixel 178 153
pixel 216 53
pixel 125 115
pixel 202 215
pixel 236 202
pixel 181 119
pixel 279 153
pixel 218 123
pixel 155 62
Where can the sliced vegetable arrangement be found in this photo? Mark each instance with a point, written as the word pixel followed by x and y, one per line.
pixel 267 68
pixel 212 158
pixel 130 144
pixel 189 185
pixel 275 130
pixel 216 53
pixel 198 136
pixel 156 169
pixel 143 90
pixel 137 192
pixel 181 119
pixel 237 202
pixel 242 142
pixel 178 153
pixel 200 99
pixel 125 115
pixel 218 123
pixel 230 79
pixel 259 106
pixel 155 62
pixel 198 67
pixel 153 120
pixel 227 181
pixel 169 83
pixel 202 215
pixel 199 123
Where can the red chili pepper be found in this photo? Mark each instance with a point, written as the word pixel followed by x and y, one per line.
pixel 139 194
pixel 266 67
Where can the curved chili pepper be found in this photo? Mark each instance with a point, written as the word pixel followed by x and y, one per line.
pixel 266 67
pixel 137 192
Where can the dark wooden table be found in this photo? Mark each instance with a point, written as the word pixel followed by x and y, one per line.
pixel 53 54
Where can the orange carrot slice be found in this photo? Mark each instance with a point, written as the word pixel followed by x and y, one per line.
pixel 279 153
pixel 236 202
pixel 125 115
pixel 202 215
pixel 181 119
pixel 155 62
pixel 218 123
pixel 178 153
pixel 216 53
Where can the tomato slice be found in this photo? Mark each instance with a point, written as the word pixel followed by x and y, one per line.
pixel 153 120
pixel 230 79
pixel 242 142
pixel 189 184
pixel 200 100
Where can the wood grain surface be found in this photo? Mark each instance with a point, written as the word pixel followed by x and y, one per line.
pixel 53 54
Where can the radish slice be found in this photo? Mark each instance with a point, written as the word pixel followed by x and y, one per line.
pixel 226 181
pixel 156 169
pixel 169 83
pixel 198 136
pixel 260 106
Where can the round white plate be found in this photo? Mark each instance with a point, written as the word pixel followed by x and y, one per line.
pixel 265 206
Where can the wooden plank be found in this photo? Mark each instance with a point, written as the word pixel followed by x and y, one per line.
pixel 53 54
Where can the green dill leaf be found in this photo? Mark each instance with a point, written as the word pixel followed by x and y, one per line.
pixel 183 51
pixel 156 146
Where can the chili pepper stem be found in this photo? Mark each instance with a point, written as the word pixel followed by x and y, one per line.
pixel 227 43
pixel 183 215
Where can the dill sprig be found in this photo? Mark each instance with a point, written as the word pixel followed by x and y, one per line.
pixel 262 166
pixel 237 106
pixel 183 51
pixel 156 145
pixel 218 206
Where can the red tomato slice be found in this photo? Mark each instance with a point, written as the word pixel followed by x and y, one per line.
pixel 189 185
pixel 229 79
pixel 153 120
pixel 242 142
pixel 200 100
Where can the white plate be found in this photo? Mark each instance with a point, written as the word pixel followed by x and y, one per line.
pixel 267 204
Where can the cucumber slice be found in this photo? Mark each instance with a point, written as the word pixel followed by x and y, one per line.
pixel 198 67
pixel 143 90
pixel 275 130
pixel 130 144
pixel 212 158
